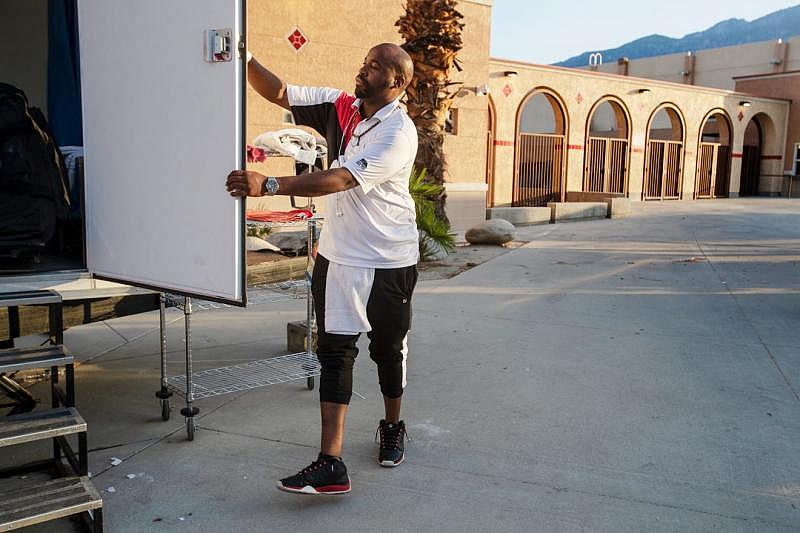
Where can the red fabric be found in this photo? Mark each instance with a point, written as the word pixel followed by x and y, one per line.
pixel 255 154
pixel 279 216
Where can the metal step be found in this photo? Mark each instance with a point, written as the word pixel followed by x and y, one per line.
pixel 41 501
pixel 37 297
pixel 40 425
pixel 13 359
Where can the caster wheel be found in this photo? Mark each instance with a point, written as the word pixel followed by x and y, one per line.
pixel 310 383
pixel 190 427
pixel 166 409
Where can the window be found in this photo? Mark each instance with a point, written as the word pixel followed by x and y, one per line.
pixel 797 159
pixel 451 122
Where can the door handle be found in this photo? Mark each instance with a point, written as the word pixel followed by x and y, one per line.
pixel 218 45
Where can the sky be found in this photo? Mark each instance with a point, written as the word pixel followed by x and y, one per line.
pixel 549 31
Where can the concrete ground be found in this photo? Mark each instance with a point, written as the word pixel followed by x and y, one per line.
pixel 636 374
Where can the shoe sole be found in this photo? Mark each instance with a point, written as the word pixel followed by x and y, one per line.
pixel 391 464
pixel 311 491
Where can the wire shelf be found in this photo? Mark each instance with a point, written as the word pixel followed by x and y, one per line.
pixel 246 376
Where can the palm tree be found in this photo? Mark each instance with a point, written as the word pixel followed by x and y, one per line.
pixel 432 33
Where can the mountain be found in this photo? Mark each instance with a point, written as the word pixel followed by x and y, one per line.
pixel 780 24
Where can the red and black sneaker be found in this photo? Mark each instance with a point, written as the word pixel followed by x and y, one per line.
pixel 392 446
pixel 326 475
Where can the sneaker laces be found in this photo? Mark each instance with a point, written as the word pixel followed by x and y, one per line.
pixel 314 466
pixel 391 438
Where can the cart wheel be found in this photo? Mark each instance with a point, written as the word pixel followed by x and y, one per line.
pixel 310 382
pixel 190 427
pixel 166 409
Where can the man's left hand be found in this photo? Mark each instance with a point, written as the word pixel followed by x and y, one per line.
pixel 241 183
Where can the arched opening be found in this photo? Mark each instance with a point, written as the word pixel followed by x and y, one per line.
pixel 664 157
pixel 714 157
pixel 606 158
pixel 540 144
pixel 490 137
pixel 751 159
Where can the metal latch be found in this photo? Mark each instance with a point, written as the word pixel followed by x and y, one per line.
pixel 218 45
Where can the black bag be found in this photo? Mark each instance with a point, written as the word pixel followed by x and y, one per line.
pixel 33 187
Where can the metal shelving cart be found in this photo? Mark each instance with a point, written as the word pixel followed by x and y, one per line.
pixel 193 386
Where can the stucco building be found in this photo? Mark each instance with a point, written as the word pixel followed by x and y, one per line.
pixel 547 134
pixel 524 134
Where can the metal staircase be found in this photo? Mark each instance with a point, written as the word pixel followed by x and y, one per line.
pixel 33 500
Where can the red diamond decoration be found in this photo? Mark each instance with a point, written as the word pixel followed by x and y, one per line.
pixel 296 39
pixel 507 89
pixel 741 116
pixel 579 98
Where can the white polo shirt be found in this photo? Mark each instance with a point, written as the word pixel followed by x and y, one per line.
pixel 372 225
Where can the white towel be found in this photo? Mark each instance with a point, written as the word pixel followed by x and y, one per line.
pixel 293 142
pixel 347 292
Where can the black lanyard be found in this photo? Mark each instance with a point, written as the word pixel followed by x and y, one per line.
pixel 358 137
pixel 342 146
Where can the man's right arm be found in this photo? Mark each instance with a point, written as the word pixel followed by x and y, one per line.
pixel 267 84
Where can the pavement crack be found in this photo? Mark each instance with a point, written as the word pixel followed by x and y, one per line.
pixel 256 437
pixel 126 341
pixel 112 328
pixel 120 444
pixel 761 341
pixel 157 440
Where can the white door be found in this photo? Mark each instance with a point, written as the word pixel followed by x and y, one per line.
pixel 163 127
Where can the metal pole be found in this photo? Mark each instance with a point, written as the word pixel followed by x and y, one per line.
pixel 163 345
pixel 187 313
pixel 309 300
pixel 163 393
pixel 189 412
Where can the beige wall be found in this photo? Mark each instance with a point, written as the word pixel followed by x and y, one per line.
pixel 336 47
pixel 581 90
pixel 780 86
pixel 715 67
pixel 468 166
pixel 23 41
pixel 335 51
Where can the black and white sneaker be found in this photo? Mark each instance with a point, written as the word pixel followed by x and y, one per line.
pixel 326 475
pixel 392 447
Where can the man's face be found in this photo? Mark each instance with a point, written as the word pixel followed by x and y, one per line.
pixel 375 77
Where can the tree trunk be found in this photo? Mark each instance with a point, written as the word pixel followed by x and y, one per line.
pixel 432 33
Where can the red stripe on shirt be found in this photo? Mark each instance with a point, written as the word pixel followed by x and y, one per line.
pixel 348 116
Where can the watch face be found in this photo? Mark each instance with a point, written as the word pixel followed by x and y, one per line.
pixel 272 185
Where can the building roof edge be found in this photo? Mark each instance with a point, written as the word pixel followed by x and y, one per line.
pixel 662 83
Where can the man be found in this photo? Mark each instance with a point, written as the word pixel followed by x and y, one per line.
pixel 365 270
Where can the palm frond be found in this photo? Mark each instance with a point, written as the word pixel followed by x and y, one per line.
pixel 435 234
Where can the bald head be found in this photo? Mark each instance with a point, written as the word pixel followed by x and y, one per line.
pixel 386 72
pixel 398 59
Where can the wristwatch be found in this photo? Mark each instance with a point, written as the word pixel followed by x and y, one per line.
pixel 271 186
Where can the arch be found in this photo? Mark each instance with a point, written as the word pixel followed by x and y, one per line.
pixel 713 172
pixel 751 158
pixel 540 145
pixel 770 143
pixel 607 155
pixel 760 152
pixel 664 153
pixel 490 151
